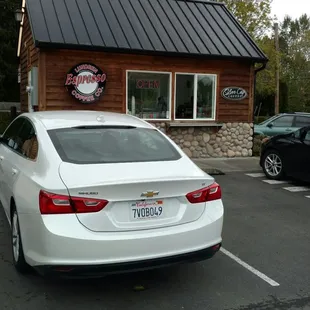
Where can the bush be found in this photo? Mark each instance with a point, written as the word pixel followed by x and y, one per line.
pixel 5 120
pixel 260 119
pixel 258 144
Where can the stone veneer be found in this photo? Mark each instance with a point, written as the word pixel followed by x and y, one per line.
pixel 231 140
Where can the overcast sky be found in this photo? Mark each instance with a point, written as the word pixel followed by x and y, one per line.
pixel 294 8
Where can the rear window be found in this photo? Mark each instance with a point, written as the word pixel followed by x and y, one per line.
pixel 95 145
pixel 302 121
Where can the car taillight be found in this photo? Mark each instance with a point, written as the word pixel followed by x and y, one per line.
pixel 210 193
pixel 61 204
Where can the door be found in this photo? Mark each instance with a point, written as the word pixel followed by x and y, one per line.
pixel 281 125
pixel 17 143
pixel 298 156
pixel 304 156
pixel 9 144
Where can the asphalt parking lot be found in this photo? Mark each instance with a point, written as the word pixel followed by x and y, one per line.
pixel 264 264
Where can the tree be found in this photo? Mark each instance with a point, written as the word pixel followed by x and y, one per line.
pixel 266 80
pixel 295 61
pixel 253 15
pixel 9 88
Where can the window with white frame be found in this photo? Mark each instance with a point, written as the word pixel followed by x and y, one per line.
pixel 195 96
pixel 149 94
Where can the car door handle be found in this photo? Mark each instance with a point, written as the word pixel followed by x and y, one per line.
pixel 1 158
pixel 288 130
pixel 14 171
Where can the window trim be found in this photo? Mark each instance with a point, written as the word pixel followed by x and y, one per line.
pixel 195 96
pixel 170 93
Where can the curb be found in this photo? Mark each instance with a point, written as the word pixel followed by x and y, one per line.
pixel 212 171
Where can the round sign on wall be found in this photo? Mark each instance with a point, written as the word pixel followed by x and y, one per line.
pixel 234 93
pixel 86 82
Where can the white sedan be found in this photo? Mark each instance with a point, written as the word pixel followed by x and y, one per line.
pixel 88 193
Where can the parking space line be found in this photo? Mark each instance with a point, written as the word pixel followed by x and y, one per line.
pixel 255 175
pixel 274 182
pixel 250 268
pixel 297 189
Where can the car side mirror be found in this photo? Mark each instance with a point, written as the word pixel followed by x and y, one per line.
pixel 270 125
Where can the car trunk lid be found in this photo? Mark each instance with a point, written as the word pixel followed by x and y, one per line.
pixel 141 195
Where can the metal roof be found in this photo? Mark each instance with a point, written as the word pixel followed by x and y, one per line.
pixel 183 27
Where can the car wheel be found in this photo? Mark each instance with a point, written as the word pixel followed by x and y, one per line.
pixel 17 248
pixel 273 165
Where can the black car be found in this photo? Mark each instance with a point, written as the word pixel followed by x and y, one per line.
pixel 287 155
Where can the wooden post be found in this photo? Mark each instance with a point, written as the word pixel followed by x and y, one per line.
pixel 277 96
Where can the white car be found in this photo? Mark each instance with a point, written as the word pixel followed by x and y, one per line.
pixel 88 193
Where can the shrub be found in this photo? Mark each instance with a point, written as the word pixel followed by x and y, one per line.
pixel 257 144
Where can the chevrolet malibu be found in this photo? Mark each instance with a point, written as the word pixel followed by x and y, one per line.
pixel 89 193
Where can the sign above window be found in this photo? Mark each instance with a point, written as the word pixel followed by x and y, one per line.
pixel 86 82
pixel 234 93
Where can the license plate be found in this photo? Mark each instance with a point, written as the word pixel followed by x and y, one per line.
pixel 147 209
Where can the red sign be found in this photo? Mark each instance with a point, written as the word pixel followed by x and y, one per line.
pixel 147 84
pixel 86 82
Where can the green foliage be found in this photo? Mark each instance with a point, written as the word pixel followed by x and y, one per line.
pixel 9 88
pixel 254 15
pixel 266 79
pixel 5 120
pixel 294 53
pixel 257 145
pixel 295 61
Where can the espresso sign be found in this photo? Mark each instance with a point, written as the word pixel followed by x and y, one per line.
pixel 86 82
pixel 234 93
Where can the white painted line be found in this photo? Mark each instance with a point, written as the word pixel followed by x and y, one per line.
pixel 250 268
pixel 297 189
pixel 255 175
pixel 274 182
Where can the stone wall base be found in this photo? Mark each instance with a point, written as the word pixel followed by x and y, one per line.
pixel 231 140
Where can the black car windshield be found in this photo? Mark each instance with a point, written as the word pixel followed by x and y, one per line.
pixel 94 145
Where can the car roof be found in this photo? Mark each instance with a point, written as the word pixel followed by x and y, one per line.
pixel 67 119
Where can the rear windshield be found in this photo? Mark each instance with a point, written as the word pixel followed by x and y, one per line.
pixel 95 145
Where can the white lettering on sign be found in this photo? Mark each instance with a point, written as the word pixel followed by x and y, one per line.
pixel 234 93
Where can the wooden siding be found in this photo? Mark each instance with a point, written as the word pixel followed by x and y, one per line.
pixel 29 57
pixel 58 62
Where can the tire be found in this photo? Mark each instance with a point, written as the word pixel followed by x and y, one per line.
pixel 19 261
pixel 273 165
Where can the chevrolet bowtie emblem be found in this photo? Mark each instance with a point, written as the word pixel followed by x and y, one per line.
pixel 149 194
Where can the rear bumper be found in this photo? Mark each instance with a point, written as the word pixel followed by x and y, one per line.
pixel 54 240
pixel 102 270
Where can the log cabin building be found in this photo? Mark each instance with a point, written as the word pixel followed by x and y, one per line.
pixel 188 67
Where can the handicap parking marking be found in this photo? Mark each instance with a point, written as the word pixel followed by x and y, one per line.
pixel 274 182
pixel 250 268
pixel 255 175
pixel 297 189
